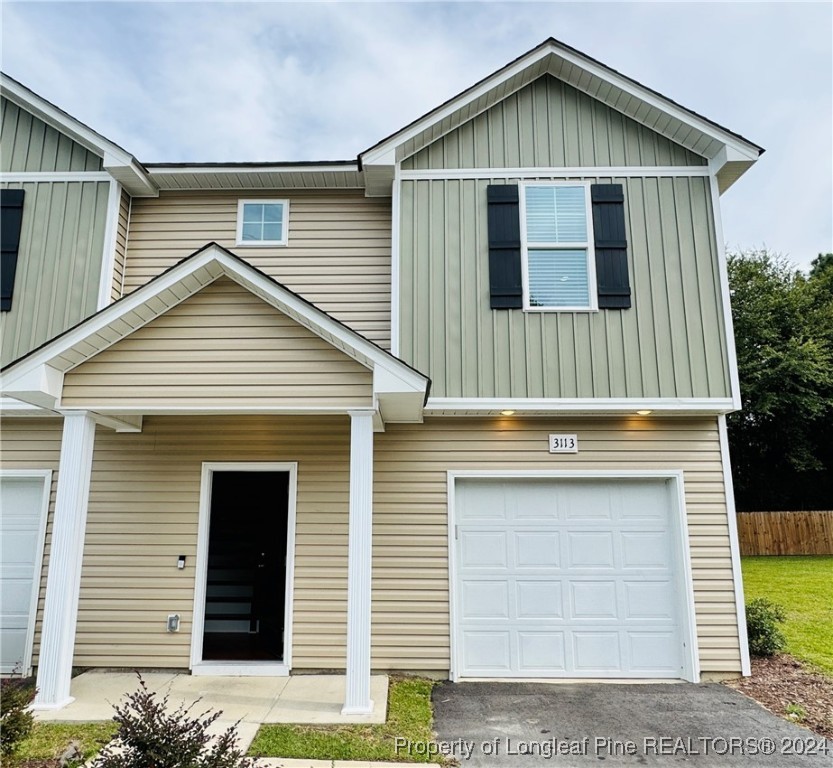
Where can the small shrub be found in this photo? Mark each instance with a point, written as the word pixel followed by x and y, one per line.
pixel 762 620
pixel 795 712
pixel 151 736
pixel 16 720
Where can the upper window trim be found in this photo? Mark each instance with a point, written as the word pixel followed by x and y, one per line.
pixel 262 243
pixel 592 285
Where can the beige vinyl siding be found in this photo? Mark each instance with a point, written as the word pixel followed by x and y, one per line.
pixel 29 144
pixel 144 505
pixel 222 346
pixel 121 246
pixel 550 124
pixel 670 343
pixel 337 256
pixel 34 443
pixel 59 262
pixel 143 513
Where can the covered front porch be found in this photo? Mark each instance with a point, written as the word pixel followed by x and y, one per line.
pixel 210 368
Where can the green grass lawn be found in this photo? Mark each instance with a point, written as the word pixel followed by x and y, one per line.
pixel 804 587
pixel 410 715
pixel 49 740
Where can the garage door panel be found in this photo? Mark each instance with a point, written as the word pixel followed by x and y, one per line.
pixel 646 549
pixel 541 653
pixel 650 651
pixel 539 600
pixel 487 652
pixel 593 600
pixel 483 501
pixel 590 549
pixel 538 503
pixel 485 599
pixel 573 578
pixel 590 503
pixel 650 600
pixel 484 549
pixel 597 652
pixel 537 549
pixel 644 500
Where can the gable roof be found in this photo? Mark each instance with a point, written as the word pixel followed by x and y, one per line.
pixel 117 161
pixel 729 153
pixel 37 377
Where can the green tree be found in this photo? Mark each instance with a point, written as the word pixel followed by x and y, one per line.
pixel 781 438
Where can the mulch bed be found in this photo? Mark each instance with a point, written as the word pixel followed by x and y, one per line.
pixel 781 681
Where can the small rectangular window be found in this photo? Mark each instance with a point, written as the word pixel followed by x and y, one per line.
pixel 557 245
pixel 262 222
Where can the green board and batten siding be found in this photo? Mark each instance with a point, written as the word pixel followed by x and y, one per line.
pixel 59 266
pixel 28 144
pixel 670 344
pixel 550 124
pixel 62 234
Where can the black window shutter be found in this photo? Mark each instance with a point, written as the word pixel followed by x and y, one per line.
pixel 611 246
pixel 504 247
pixel 11 216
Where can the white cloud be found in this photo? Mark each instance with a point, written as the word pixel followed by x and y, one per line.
pixel 285 81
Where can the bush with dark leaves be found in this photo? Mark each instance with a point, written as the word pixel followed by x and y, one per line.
pixel 16 696
pixel 151 735
pixel 762 620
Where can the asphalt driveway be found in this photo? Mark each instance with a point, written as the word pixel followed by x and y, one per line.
pixel 525 725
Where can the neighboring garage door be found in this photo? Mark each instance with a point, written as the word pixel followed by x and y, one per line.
pixel 22 519
pixel 570 578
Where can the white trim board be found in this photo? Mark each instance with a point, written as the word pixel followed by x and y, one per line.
pixel 46 476
pixel 734 546
pixel 238 668
pixel 108 257
pixel 48 176
pixel 688 629
pixel 557 405
pixel 725 294
pixel 162 170
pixel 395 231
pixel 584 172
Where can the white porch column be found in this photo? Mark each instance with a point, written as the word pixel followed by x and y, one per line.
pixel 357 694
pixel 63 581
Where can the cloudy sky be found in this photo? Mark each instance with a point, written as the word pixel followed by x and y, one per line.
pixel 205 81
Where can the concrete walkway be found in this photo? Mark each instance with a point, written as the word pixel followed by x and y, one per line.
pixel 311 699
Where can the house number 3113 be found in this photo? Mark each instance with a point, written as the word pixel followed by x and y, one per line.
pixel 563 444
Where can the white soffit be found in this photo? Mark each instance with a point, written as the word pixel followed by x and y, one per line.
pixel 239 176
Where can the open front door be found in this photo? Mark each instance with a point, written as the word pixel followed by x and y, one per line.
pixel 246 598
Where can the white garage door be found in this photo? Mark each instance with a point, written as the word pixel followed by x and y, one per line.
pixel 569 578
pixel 22 513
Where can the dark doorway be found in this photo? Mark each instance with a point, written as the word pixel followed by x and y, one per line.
pixel 246 578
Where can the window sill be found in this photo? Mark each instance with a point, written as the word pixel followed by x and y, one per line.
pixel 572 310
pixel 261 244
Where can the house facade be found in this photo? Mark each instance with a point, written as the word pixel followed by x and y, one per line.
pixel 455 408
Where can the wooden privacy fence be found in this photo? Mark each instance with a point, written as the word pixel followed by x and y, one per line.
pixel 786 533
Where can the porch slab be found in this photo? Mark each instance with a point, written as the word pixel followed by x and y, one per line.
pixel 249 700
pixel 317 699
pixel 95 693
